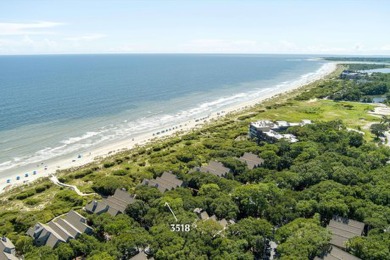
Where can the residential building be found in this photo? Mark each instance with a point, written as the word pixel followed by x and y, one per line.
pixel 113 205
pixel 343 229
pixel 251 160
pixel 7 249
pixel 167 181
pixel 215 168
pixel 348 74
pixel 59 230
pixel 336 254
pixel 141 256
pixel 268 131
pixel 203 215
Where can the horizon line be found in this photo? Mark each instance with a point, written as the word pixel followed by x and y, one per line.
pixel 194 53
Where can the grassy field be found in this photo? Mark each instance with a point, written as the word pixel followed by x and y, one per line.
pixel 353 114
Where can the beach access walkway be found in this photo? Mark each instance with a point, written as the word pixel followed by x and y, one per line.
pixel 55 180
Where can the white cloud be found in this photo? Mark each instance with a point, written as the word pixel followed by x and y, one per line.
pixel 87 37
pixel 27 28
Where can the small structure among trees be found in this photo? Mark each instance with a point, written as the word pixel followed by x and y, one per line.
pixel 215 168
pixel 251 160
pixel 336 253
pixel 343 229
pixel 113 205
pixel 167 181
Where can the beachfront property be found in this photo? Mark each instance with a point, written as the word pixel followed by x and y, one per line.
pixel 7 249
pixel 268 131
pixel 166 182
pixel 343 229
pixel 214 167
pixel 59 230
pixel 348 74
pixel 335 253
pixel 113 205
pixel 251 160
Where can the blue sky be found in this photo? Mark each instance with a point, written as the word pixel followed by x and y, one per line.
pixel 275 26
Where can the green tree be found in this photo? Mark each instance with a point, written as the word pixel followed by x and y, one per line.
pixel 64 251
pixel 378 129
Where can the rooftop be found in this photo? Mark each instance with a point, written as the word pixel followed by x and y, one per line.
pixel 114 204
pixel 215 168
pixel 337 254
pixel 167 181
pixel 59 230
pixel 7 249
pixel 251 160
pixel 343 229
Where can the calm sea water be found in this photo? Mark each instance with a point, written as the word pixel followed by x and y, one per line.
pixel 51 106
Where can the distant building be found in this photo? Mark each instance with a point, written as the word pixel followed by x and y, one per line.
pixel 348 74
pixel 167 181
pixel 251 160
pixel 334 254
pixel 343 229
pixel 59 230
pixel 113 205
pixel 215 168
pixel 7 250
pixel 268 131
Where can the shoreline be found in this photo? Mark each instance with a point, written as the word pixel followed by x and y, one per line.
pixel 99 153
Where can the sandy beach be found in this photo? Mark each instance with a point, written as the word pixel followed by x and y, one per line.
pixel 28 174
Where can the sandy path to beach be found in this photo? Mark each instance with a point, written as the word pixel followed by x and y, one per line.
pixel 46 169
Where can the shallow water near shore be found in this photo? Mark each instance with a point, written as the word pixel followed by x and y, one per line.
pixel 61 106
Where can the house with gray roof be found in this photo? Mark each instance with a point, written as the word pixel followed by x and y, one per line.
pixel 141 256
pixel 203 215
pixel 343 229
pixel 167 181
pixel 7 249
pixel 215 168
pixel 251 160
pixel 336 254
pixel 113 205
pixel 59 230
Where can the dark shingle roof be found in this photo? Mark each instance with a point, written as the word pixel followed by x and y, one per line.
pixel 114 204
pixel 337 254
pixel 167 181
pixel 343 229
pixel 252 160
pixel 141 256
pixel 60 229
pixel 215 168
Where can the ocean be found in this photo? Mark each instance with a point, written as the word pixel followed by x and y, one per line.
pixel 53 106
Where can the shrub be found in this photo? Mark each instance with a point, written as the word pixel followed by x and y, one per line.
pixel 108 164
pixel 32 201
pixel 25 194
pixel 120 173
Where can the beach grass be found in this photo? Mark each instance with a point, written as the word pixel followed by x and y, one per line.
pixel 132 166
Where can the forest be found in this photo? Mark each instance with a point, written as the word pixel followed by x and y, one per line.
pixel 362 88
pixel 290 199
